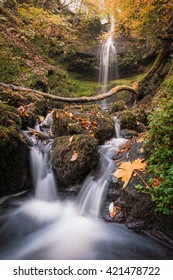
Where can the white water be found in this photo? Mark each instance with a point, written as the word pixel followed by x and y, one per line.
pixel 46 227
pixel 108 63
pixel 43 177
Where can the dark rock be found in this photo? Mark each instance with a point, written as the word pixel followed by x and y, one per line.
pixel 74 157
pixel 128 134
pixel 14 153
pixel 89 120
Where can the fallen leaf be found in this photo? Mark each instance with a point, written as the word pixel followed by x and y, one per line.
pixel 71 139
pixel 41 118
pixel 112 210
pixel 69 114
pixel 156 182
pixel 139 164
pixel 141 138
pixel 74 156
pixel 57 116
pixel 126 169
pixel 92 135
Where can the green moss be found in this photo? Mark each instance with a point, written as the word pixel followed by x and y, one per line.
pixel 9 115
pixel 128 119
pixel 118 106
pixel 160 148
pixel 74 157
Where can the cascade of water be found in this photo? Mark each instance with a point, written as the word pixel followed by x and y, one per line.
pixel 65 229
pixel 92 192
pixel 117 127
pixel 108 60
pixel 43 178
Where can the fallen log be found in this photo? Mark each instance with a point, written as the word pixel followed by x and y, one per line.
pixel 83 99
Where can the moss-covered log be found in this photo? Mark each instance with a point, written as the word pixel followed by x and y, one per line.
pixel 83 99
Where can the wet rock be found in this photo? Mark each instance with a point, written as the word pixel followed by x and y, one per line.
pixel 136 224
pixel 90 120
pixel 118 106
pixel 128 134
pixel 74 157
pixel 14 153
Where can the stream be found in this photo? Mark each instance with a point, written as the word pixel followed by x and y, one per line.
pixel 43 225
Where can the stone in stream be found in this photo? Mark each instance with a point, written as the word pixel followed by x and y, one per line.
pixel 86 119
pixel 74 157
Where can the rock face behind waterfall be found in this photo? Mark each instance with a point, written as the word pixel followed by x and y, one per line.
pixel 89 120
pixel 74 157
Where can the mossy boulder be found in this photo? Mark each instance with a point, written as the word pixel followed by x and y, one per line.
pixel 29 106
pixel 128 119
pixel 74 157
pixel 141 115
pixel 90 120
pixel 118 106
pixel 14 153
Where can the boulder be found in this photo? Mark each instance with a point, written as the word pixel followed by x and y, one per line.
pixel 90 120
pixel 128 119
pixel 118 106
pixel 14 153
pixel 74 157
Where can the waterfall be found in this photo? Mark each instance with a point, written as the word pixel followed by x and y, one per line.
pixel 108 64
pixel 108 60
pixel 42 174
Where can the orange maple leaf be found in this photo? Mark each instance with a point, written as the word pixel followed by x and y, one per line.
pixel 127 168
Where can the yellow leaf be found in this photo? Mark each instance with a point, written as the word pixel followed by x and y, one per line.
pixel 125 170
pixel 139 164
pixel 41 118
pixel 74 156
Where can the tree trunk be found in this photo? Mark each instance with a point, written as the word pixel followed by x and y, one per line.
pixel 83 99
pixel 148 78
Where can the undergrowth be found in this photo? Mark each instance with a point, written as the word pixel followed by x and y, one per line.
pixel 160 146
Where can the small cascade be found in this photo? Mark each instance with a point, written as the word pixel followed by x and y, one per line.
pixel 117 127
pixel 50 228
pixel 94 187
pixel 42 174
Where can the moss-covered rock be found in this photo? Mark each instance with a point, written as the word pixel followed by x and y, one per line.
pixel 89 120
pixel 128 119
pixel 14 153
pixel 74 157
pixel 29 106
pixel 141 115
pixel 118 106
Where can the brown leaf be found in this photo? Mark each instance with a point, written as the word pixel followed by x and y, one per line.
pixel 141 138
pixel 112 210
pixel 57 116
pixel 74 156
pixel 156 182
pixel 71 139
pixel 69 114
